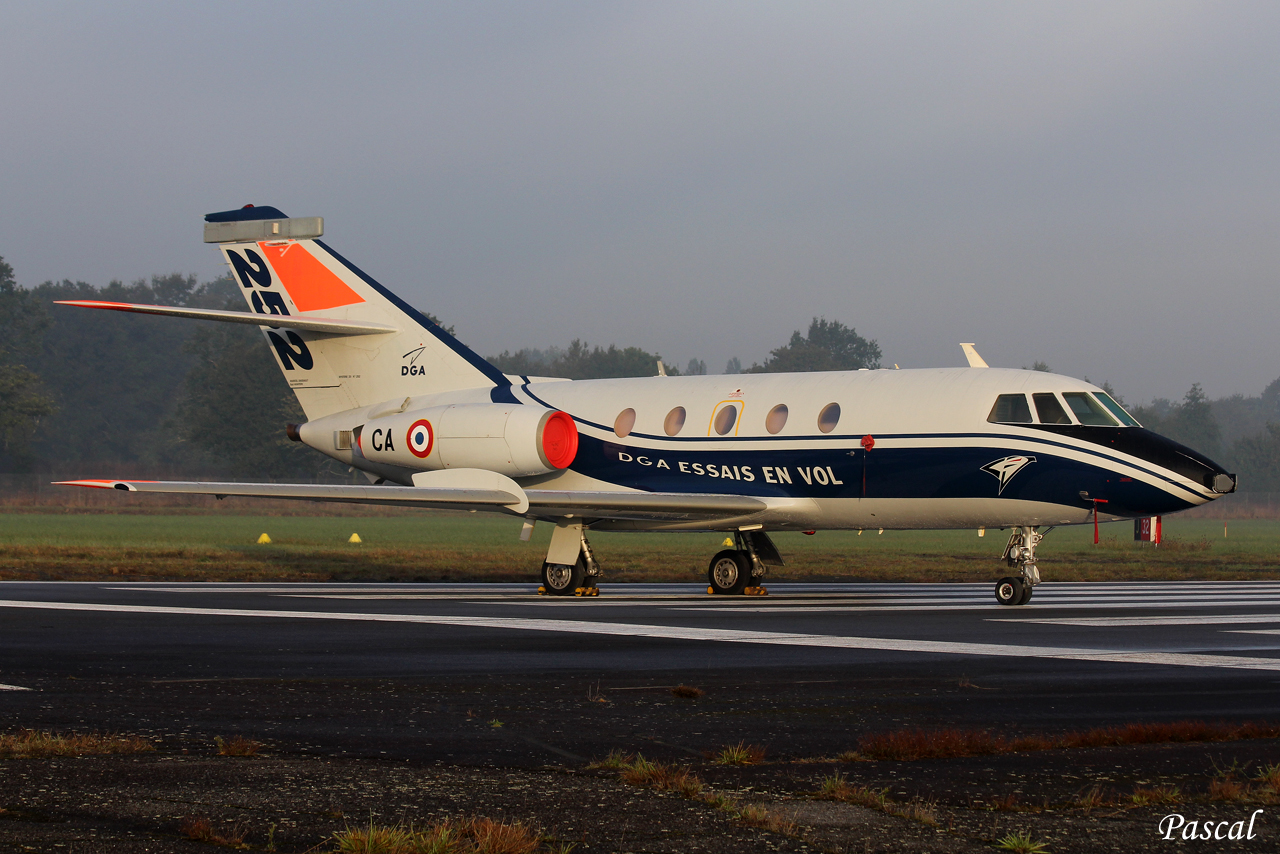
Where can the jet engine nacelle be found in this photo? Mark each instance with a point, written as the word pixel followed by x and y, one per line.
pixel 510 439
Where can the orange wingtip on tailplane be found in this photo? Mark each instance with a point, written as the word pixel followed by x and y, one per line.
pixel 311 285
pixel 93 303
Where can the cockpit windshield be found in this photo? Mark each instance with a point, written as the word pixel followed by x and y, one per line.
pixel 1049 409
pixel 1116 409
pixel 1088 409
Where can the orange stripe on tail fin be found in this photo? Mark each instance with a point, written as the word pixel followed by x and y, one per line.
pixel 311 285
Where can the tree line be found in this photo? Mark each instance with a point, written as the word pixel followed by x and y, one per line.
pixel 85 393
pixel 828 346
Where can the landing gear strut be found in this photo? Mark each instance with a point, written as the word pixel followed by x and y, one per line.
pixel 562 578
pixel 1020 554
pixel 741 570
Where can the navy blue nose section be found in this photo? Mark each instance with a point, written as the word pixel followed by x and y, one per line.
pixel 1152 448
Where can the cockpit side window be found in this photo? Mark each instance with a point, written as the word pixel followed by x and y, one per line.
pixel 1010 409
pixel 1087 410
pixel 1049 410
pixel 1116 409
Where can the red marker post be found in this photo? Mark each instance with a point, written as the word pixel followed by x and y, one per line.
pixel 1096 502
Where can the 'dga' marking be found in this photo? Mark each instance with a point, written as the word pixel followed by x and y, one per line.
pixel 420 438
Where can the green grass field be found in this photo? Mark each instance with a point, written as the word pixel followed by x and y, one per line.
pixel 477 547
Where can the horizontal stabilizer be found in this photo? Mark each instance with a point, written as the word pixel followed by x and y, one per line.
pixel 470 489
pixel 323 325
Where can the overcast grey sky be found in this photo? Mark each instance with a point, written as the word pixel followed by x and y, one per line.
pixel 1096 185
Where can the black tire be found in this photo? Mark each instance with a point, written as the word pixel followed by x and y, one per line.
pixel 1027 590
pixel 1010 591
pixel 562 579
pixel 729 573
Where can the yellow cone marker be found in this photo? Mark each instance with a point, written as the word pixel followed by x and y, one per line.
pixel 355 538
pixel 728 541
pixel 264 539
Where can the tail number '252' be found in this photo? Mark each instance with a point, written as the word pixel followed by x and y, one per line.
pixel 253 273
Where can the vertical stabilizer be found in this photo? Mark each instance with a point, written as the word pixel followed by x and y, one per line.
pixel 282 268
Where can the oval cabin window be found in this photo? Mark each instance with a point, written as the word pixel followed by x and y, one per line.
pixel 625 421
pixel 829 417
pixel 725 419
pixel 776 419
pixel 674 422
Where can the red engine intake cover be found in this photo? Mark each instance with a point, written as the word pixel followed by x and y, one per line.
pixel 559 440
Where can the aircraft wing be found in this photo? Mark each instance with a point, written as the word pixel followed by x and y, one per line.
pixel 491 495
pixel 639 506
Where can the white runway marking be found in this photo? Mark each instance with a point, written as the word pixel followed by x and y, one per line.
pixel 1182 620
pixel 13 688
pixel 690 633
pixel 842 604
pixel 979 604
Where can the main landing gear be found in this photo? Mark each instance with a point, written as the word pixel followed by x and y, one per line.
pixel 740 570
pixel 570 568
pixel 1020 553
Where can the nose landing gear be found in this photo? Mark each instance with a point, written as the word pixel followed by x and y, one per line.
pixel 1020 553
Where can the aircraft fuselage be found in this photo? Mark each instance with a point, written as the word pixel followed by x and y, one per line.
pixel 861 449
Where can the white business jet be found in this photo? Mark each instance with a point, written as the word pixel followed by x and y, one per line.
pixel 433 425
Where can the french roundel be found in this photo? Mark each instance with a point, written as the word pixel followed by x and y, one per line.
pixel 420 438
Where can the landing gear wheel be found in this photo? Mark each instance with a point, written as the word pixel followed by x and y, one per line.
pixel 729 573
pixel 1012 591
pixel 1026 592
pixel 562 579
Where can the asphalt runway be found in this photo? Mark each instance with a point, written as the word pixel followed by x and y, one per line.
pixel 405 668
pixel 404 629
